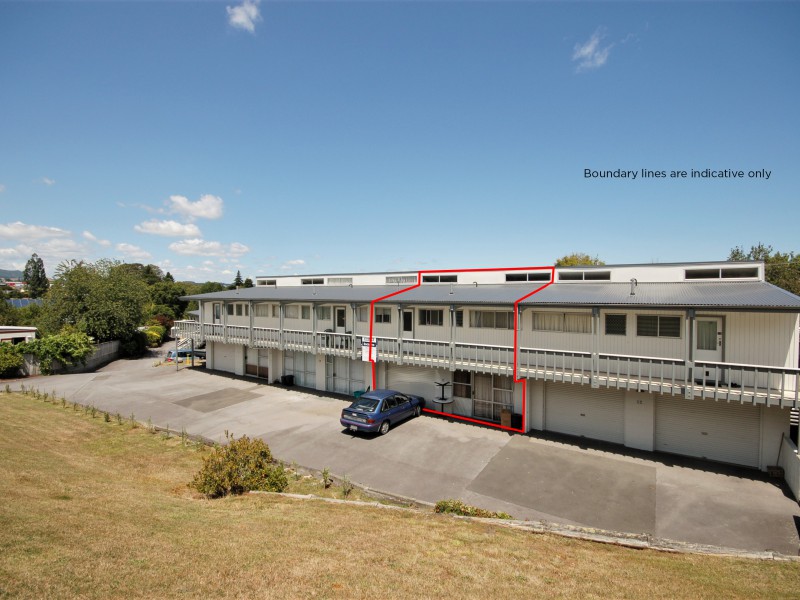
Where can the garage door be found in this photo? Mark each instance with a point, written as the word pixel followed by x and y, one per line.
pixel 721 431
pixel 224 357
pixel 581 410
pixel 302 365
pixel 419 381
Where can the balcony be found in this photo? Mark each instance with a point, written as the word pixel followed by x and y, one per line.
pixel 731 382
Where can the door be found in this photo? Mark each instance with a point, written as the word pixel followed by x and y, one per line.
pixel 708 339
pixel 217 312
pixel 583 411
pixel 721 431
pixel 482 403
pixel 341 319
pixel 408 323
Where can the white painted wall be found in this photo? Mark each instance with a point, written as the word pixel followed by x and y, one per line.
pixel 536 391
pixel 774 425
pixel 640 419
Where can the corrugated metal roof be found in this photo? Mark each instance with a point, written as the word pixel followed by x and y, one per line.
pixel 750 294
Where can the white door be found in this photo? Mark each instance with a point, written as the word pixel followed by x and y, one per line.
pixel 708 339
pixel 420 381
pixel 580 410
pixel 723 431
pixel 408 323
pixel 340 320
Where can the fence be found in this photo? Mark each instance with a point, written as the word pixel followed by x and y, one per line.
pixel 103 353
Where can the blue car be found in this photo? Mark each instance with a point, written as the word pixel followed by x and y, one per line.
pixel 378 410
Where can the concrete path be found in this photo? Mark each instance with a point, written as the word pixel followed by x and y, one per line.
pixel 531 477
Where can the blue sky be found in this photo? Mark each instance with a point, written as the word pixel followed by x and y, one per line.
pixel 310 137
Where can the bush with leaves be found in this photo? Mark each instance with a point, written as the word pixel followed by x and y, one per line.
pixel 240 466
pixel 68 347
pixel 10 360
pixel 457 507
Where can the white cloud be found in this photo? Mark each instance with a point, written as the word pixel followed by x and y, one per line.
pixel 134 252
pixel 245 16
pixel 48 181
pixel 21 231
pixel 298 262
pixel 208 207
pixel 591 54
pixel 168 228
pixel 198 247
pixel 88 235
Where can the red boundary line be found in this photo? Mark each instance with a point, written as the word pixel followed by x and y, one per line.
pixel 516 337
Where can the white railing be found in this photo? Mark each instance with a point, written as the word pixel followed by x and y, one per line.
pixel 732 381
pixel 339 344
pixel 425 352
pixel 186 329
pixel 388 348
pixel 555 365
pixel 214 331
pixel 238 334
pixel 481 357
pixel 294 339
pixel 790 461
pixel 266 337
pixel 641 373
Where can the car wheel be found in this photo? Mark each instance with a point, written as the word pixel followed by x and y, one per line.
pixel 384 428
pixel 417 411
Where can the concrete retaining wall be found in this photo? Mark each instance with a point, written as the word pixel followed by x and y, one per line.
pixel 790 461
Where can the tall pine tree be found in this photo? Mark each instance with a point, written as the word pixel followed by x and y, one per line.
pixel 35 277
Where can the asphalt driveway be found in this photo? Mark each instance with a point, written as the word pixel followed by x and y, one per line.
pixel 531 477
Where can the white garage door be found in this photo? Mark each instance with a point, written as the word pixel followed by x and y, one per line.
pixel 722 431
pixel 580 410
pixel 419 381
pixel 224 357
pixel 302 365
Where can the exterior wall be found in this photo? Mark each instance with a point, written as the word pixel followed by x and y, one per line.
pixel 760 338
pixel 553 340
pixel 536 404
pixel 226 357
pixel 640 419
pixel 483 335
pixel 774 426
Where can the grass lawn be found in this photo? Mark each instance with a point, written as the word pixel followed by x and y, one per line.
pixel 96 509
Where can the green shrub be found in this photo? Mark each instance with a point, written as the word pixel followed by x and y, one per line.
pixel 457 507
pixel 69 347
pixel 239 467
pixel 135 345
pixel 10 360
pixel 153 338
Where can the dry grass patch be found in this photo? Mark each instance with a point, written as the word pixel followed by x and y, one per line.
pixel 99 510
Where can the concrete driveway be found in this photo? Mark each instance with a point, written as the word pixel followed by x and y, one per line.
pixel 532 477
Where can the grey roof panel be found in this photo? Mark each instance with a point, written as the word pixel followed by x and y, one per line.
pixel 750 294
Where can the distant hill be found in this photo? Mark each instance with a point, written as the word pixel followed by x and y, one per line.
pixel 6 274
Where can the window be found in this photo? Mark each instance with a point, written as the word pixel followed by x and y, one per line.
pixel 291 311
pixel 401 279
pixel 239 310
pixel 724 273
pixel 459 318
pixel 616 324
pixel 313 281
pixel 428 316
pixel 538 276
pixel 270 282
pixel 490 319
pixel 565 322
pixel 276 311
pixel 305 312
pixel 362 314
pixel 229 309
pixel 439 278
pixel 324 313
pixel 462 384
pixel 658 326
pixel 261 310
pixel 383 314
pixel 340 280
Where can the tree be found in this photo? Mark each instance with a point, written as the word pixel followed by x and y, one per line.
pixel 237 281
pixel 248 283
pixel 35 277
pixel 578 259
pixel 781 269
pixel 105 300
pixel 166 298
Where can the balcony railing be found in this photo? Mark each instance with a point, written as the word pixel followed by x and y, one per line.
pixel 773 386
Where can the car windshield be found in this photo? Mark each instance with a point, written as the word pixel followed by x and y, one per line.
pixel 365 404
